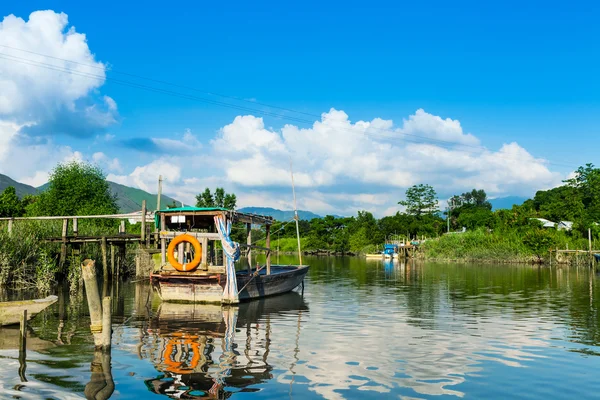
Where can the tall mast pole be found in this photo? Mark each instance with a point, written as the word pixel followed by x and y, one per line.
pixel 296 213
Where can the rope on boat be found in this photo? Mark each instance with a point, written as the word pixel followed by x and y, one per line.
pixel 232 253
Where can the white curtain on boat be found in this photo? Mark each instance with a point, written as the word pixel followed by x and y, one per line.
pixel 232 254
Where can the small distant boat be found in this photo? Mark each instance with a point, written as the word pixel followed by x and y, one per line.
pixel 11 311
pixel 374 255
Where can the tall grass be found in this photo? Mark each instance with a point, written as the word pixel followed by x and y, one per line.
pixel 501 246
pixel 25 262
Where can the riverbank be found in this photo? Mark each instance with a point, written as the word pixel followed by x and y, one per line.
pixel 497 247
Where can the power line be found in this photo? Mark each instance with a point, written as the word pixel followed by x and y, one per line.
pixel 394 134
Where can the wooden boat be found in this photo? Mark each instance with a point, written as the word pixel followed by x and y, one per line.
pixel 194 272
pixel 11 311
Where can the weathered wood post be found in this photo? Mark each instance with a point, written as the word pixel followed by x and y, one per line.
pixel 63 246
pixel 143 233
pixel 163 241
pixel 268 246
pixel 23 331
pixel 23 346
pixel 104 257
pixel 112 259
pixel 75 227
pixel 10 227
pixel 122 226
pixel 93 298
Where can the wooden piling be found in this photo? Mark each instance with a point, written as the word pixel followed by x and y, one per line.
pixel 122 227
pixel 23 331
pixel 93 298
pixel 112 260
pixel 143 234
pixel 75 227
pixel 106 323
pixel 23 346
pixel 104 256
pixel 63 246
pixel 10 227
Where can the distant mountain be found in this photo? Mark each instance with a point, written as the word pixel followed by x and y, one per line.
pixel 130 199
pixel 507 202
pixel 279 215
pixel 21 188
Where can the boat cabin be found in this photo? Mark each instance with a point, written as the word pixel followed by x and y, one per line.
pixel 200 224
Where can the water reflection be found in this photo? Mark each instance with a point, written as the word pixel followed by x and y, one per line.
pixel 207 351
pixel 374 329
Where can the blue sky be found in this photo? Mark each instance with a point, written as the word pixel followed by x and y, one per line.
pixel 505 72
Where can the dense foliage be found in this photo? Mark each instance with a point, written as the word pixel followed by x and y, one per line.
pixel 219 199
pixel 75 189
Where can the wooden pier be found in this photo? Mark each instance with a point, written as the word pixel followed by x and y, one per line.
pixel 117 241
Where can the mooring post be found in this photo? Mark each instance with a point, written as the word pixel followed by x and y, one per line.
pixel 23 346
pixel 106 323
pixel 88 270
pixel 104 257
pixel 112 259
pixel 143 233
pixel 63 246
pixel 23 331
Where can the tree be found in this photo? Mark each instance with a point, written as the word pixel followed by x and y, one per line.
pixel 420 200
pixel 205 199
pixel 10 205
pixel 220 199
pixel 75 189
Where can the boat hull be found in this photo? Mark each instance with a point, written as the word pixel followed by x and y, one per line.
pixel 11 311
pixel 191 289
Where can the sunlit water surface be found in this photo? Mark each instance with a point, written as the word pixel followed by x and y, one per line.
pixel 361 329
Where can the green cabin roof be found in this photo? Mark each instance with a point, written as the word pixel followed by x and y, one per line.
pixel 190 208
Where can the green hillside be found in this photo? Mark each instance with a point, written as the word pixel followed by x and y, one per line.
pixel 130 199
pixel 21 188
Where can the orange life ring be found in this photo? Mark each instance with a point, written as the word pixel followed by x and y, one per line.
pixel 181 367
pixel 197 253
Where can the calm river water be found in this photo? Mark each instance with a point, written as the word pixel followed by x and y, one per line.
pixel 361 329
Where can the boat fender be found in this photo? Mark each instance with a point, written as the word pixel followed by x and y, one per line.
pixel 185 267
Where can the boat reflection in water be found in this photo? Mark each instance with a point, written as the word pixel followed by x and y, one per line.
pixel 193 346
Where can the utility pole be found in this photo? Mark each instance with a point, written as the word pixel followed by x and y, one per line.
pixel 159 193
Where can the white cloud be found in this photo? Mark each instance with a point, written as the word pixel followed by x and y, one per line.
pixel 340 166
pixel 111 164
pixel 146 177
pixel 53 98
pixel 424 125
pixel 39 102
